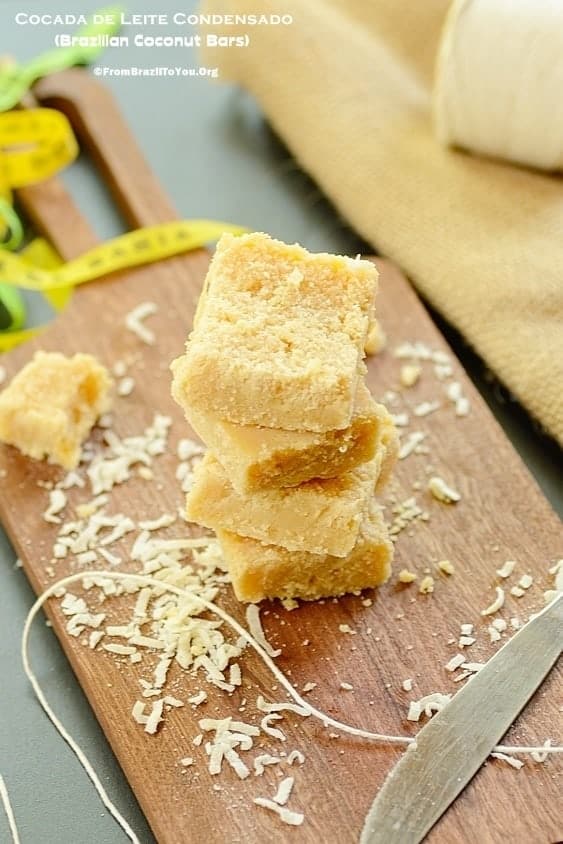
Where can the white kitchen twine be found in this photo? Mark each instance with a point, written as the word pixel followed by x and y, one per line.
pixel 9 811
pixel 144 580
pixel 499 80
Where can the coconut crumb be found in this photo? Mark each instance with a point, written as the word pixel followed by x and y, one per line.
pixel 426 585
pixel 517 592
pixel 345 628
pixel 525 581
pixel 406 576
pixel 442 492
pixel 466 641
pixel 506 569
pixel 407 685
pixel 409 374
pixel 446 567
pixel 347 687
pixel 125 386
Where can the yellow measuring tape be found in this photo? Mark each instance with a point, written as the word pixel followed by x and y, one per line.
pixel 143 246
pixel 34 145
pixel 56 280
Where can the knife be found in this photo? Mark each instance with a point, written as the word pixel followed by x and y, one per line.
pixel 451 748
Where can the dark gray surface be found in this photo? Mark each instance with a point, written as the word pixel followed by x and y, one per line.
pixel 216 157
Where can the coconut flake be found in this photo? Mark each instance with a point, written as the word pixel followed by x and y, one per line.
pixel 497 604
pixel 285 815
pixel 442 492
pixel 283 793
pixel 506 569
pixel 264 759
pixel 134 321
pixel 57 503
pixel 429 705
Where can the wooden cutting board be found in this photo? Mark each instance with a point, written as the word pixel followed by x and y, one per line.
pixel 404 634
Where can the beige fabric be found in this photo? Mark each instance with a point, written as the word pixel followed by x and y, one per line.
pixel 348 86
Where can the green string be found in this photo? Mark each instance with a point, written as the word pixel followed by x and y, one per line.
pixel 14 226
pixel 16 80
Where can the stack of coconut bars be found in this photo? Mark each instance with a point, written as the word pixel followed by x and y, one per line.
pixel 273 382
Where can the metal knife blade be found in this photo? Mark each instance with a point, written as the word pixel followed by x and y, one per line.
pixel 451 748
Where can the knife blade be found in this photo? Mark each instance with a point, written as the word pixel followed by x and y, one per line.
pixel 451 748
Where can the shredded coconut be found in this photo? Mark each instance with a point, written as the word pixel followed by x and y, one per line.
pixel 406 576
pixel 425 408
pixel 57 503
pixel 409 374
pixel 134 321
pixel 412 441
pixel 446 567
pixel 264 759
pixel 497 604
pixel 429 705
pixel 426 585
pixel 283 793
pixel 455 662
pixel 506 569
pixel 155 717
pixel 288 817
pixel 442 492
pixel 273 732
pixel 126 386
pixel 137 581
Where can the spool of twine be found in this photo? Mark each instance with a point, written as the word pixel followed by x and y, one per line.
pixel 499 80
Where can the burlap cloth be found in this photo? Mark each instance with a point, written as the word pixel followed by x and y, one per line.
pixel 348 87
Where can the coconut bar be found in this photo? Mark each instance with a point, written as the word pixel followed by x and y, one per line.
pixel 267 571
pixel 268 458
pixel 321 516
pixel 50 406
pixel 279 339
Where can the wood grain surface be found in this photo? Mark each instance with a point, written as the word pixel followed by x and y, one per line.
pixel 403 634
